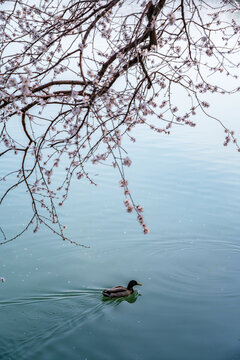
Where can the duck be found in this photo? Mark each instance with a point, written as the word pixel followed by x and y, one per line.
pixel 120 291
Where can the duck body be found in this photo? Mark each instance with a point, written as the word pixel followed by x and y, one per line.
pixel 120 291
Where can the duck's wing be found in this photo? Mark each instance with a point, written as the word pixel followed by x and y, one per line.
pixel 116 291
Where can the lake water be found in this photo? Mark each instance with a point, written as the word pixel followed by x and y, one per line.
pixel 51 305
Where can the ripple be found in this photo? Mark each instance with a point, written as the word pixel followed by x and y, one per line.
pixel 201 270
pixel 42 319
pixel 50 297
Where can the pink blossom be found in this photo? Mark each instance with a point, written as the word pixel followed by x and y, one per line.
pixel 146 230
pixel 74 94
pixel 140 208
pixel 205 104
pixel 171 18
pixel 140 219
pixel 79 175
pixel 123 183
pixel 209 52
pixel 3 280
pixel 127 202
pixel 127 161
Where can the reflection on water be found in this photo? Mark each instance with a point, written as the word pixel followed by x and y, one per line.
pixel 116 301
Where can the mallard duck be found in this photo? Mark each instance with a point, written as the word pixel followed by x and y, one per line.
pixel 120 291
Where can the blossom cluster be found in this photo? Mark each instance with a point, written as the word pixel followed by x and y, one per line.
pixel 77 79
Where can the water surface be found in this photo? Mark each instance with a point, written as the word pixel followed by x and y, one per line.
pixel 51 305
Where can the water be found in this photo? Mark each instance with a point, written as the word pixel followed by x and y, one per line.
pixel 51 305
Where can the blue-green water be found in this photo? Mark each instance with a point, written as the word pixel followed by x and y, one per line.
pixel 189 305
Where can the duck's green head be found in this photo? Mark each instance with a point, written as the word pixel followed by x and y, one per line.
pixel 132 283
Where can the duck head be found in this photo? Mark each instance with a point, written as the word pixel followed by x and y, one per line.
pixel 132 283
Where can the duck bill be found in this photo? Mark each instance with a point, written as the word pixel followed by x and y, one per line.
pixel 139 284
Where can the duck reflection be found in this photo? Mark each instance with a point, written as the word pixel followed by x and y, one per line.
pixel 130 299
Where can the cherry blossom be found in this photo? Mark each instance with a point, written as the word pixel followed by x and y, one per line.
pixel 78 77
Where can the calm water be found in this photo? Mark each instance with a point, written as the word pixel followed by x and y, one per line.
pixel 189 305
